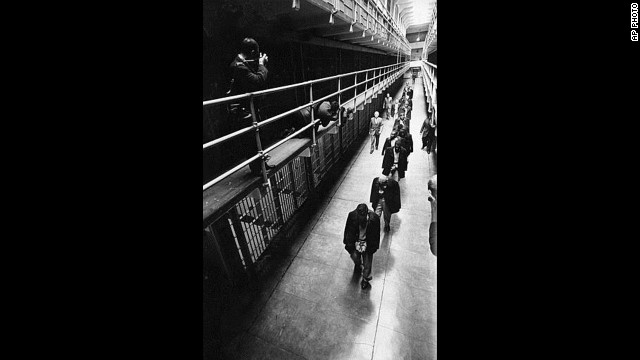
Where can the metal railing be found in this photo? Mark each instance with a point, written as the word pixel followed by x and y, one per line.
pixel 366 14
pixel 430 84
pixel 432 33
pixel 400 39
pixel 253 224
pixel 385 76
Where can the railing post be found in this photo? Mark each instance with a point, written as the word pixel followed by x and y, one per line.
pixel 388 76
pixel 384 78
pixel 313 128
pixel 339 133
pixel 355 93
pixel 265 180
pixel 366 87
pixel 339 104
pixel 376 89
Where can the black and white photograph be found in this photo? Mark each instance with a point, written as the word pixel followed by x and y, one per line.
pixel 320 179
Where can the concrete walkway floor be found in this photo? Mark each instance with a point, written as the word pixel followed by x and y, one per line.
pixel 317 310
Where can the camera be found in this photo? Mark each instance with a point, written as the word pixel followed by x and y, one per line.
pixel 263 59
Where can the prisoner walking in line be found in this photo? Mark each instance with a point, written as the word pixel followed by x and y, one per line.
pixel 362 240
pixel 375 127
pixel 385 198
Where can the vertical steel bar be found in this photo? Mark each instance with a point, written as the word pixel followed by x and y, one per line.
pixel 255 125
pixel 386 77
pixel 243 241
pixel 313 128
pixel 374 86
pixel 366 85
pixel 294 182
pixel 262 213
pixel 339 104
pixel 355 93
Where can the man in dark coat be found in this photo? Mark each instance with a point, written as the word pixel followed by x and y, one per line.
pixel 399 123
pixel 385 198
pixel 248 74
pixel 362 240
pixel 406 140
pixel 425 130
pixel 390 141
pixel 432 185
pixel 395 158
pixel 408 105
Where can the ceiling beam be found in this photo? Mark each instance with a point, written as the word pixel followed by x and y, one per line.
pixel 338 30
pixel 353 35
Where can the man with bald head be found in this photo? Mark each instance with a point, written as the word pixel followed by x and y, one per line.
pixel 375 128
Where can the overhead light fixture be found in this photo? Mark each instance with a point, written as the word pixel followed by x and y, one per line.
pixel 363 33
pixel 331 16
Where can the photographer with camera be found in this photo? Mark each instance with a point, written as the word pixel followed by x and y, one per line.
pixel 248 74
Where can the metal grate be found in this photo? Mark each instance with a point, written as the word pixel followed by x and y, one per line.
pixel 284 193
pixel 348 133
pixel 324 156
pixel 256 219
pixel 300 180
pixel 317 163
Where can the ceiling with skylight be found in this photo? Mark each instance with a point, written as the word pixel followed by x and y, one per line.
pixel 416 12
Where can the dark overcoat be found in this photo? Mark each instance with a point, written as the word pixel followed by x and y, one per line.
pixel 387 161
pixel 352 231
pixel 391 195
